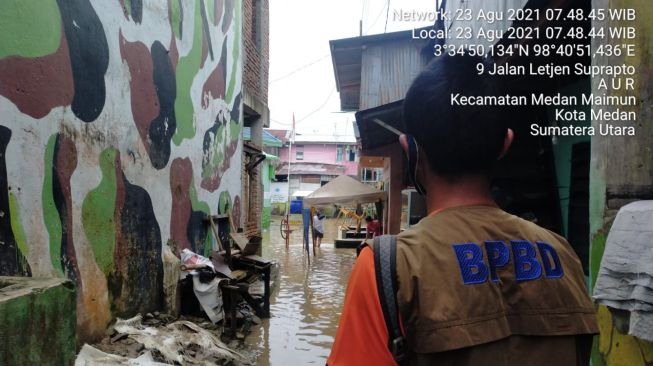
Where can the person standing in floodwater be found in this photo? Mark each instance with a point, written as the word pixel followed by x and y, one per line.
pixel 318 226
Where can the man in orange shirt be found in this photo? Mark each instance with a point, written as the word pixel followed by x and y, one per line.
pixel 476 285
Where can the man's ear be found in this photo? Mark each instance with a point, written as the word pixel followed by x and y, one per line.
pixel 507 142
pixel 403 141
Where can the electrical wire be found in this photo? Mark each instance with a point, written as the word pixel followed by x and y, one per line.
pixel 378 16
pixel 280 123
pixel 293 72
pixel 387 13
pixel 326 101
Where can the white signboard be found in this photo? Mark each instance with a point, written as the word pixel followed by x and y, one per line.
pixel 278 192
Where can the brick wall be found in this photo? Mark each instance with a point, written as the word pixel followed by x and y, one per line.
pixel 251 200
pixel 256 26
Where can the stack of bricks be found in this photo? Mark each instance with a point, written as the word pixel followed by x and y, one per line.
pixel 256 26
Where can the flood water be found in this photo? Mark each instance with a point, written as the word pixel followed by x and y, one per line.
pixel 306 303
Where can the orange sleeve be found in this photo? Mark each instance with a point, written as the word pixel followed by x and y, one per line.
pixel 362 336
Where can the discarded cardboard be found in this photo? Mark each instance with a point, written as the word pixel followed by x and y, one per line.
pixel 172 340
pixel 90 355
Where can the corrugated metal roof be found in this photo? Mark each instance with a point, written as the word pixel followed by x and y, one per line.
pixel 347 58
pixel 311 168
pixel 388 69
pixel 320 138
pixel 325 139
pixel 268 138
pixel 282 135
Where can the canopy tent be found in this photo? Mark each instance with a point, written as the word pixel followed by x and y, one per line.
pixel 344 189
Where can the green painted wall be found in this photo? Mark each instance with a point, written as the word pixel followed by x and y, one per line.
pixel 37 327
pixel 36 35
pixel 98 213
pixel 267 204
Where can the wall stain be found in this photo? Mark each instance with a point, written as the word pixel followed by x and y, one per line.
pixel 12 260
pixel 136 280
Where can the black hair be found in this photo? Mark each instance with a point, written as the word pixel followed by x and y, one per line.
pixel 458 140
pixel 368 218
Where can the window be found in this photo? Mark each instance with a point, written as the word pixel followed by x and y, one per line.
pixel 352 154
pixel 371 175
pixel 368 175
pixel 299 152
pixel 340 151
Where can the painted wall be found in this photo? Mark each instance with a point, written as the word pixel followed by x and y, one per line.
pixel 320 153
pixel 37 321
pixel 621 171
pixel 120 130
pixel 267 173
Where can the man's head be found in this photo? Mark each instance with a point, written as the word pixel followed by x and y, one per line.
pixel 456 141
pixel 368 219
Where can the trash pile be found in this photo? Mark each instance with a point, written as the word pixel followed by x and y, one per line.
pixel 243 292
pixel 163 342
pixel 206 284
pixel 219 297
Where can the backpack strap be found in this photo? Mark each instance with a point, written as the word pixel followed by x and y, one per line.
pixel 385 267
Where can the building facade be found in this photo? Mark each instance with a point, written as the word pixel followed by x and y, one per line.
pixel 313 160
pixel 362 86
pixel 256 63
pixel 308 152
pixel 267 169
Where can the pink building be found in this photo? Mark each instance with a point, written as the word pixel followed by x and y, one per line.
pixel 316 159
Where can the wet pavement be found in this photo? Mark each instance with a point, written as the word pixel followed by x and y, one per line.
pixel 306 302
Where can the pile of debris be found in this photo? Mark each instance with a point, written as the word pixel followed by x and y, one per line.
pixel 158 340
pixel 220 297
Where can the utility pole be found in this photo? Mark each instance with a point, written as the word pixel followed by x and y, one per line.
pixel 292 137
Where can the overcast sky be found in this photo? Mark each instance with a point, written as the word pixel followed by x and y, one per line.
pixel 301 72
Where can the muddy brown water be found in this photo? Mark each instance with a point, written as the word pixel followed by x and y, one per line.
pixel 306 302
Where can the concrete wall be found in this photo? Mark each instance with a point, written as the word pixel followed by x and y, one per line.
pixel 120 130
pixel 37 321
pixel 621 171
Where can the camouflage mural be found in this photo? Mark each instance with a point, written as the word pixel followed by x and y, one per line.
pixel 120 127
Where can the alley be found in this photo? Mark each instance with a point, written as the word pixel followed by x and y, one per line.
pixel 306 302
